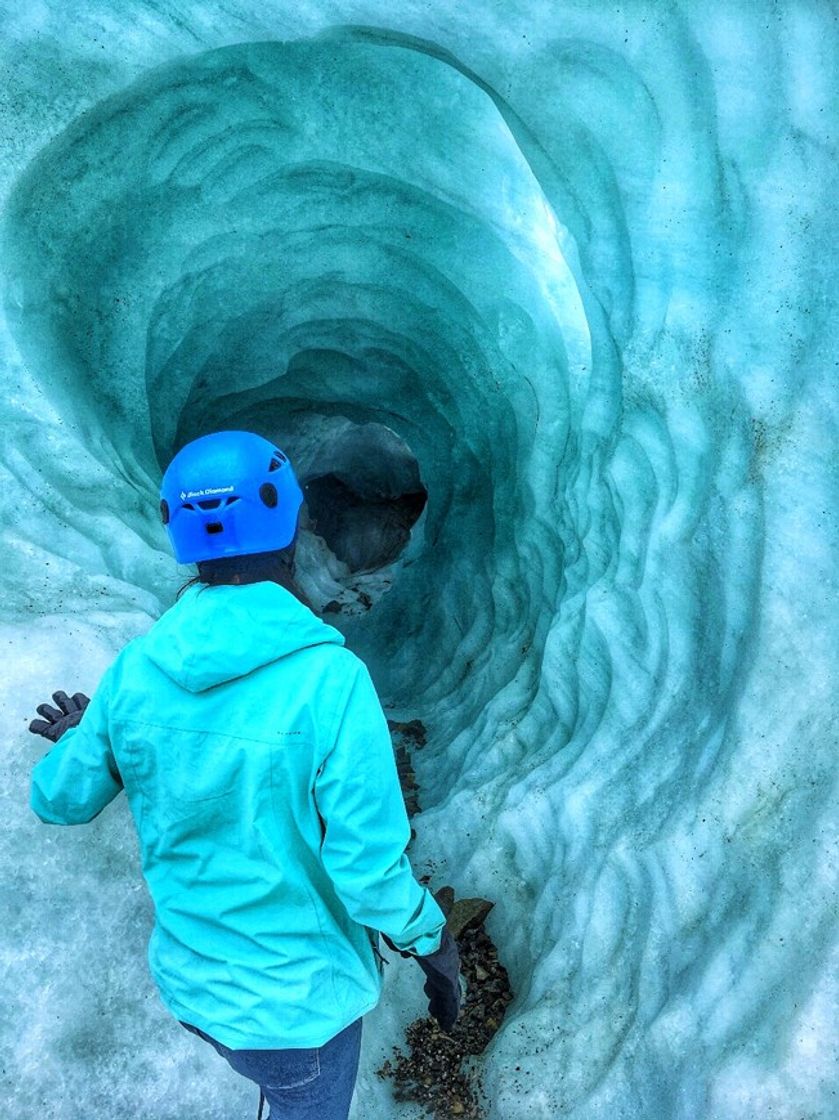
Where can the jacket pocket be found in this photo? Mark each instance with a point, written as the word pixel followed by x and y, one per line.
pixel 201 766
pixel 182 766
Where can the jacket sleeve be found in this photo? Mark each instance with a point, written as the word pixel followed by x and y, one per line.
pixel 366 828
pixel 75 780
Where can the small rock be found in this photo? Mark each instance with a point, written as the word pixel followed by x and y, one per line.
pixel 445 899
pixel 412 730
pixel 415 729
pixel 468 913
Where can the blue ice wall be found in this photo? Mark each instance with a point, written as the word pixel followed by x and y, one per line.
pixel 581 259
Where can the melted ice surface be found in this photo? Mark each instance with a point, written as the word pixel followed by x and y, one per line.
pixel 581 261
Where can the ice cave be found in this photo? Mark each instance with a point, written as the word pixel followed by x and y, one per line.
pixel 541 299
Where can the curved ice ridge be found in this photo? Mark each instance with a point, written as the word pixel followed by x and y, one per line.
pixel 548 275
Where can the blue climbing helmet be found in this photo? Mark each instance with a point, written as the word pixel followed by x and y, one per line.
pixel 229 494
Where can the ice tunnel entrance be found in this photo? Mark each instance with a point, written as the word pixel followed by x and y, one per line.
pixel 331 276
pixel 365 504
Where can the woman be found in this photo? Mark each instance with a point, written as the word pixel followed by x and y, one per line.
pixel 259 770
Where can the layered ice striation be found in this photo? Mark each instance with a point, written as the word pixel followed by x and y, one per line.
pixel 541 300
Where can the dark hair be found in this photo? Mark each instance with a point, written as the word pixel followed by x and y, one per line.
pixel 277 566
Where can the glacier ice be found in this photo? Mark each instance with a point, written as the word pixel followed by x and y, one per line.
pixel 569 268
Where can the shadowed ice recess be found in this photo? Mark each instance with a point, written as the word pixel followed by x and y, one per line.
pixel 539 300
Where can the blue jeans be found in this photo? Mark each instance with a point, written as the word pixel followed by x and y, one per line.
pixel 314 1084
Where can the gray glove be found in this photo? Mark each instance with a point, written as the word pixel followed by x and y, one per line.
pixel 442 985
pixel 56 721
pixel 442 982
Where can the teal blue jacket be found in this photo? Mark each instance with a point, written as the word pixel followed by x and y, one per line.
pixel 259 770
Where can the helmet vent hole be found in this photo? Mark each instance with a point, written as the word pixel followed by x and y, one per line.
pixel 268 493
pixel 215 527
pixel 230 501
pixel 189 505
pixel 210 503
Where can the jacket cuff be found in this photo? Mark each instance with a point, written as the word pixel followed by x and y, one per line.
pixel 428 943
pixel 424 932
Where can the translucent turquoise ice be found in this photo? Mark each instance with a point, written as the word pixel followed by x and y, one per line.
pixel 581 259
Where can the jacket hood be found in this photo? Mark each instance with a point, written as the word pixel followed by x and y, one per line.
pixel 216 634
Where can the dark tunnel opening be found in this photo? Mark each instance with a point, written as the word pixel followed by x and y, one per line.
pixel 365 530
